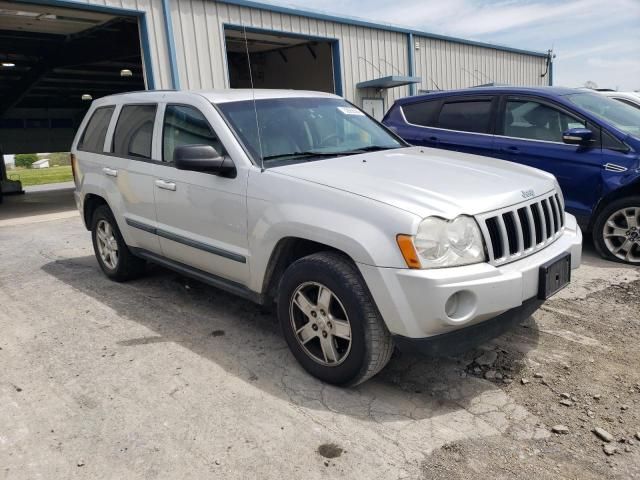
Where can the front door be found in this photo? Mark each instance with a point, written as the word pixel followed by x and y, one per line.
pixel 202 217
pixel 530 132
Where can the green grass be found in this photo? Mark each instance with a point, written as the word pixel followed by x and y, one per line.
pixel 41 176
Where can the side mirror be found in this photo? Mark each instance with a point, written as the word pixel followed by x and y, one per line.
pixel 203 158
pixel 577 136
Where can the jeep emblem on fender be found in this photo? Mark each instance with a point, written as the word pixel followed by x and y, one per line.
pixel 528 193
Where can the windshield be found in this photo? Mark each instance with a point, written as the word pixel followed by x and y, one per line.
pixel 297 129
pixel 618 114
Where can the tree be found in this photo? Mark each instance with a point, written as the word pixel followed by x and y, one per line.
pixel 591 84
pixel 25 159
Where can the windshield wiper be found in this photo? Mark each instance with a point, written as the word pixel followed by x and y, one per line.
pixel 316 153
pixel 369 148
pixel 374 148
pixel 309 153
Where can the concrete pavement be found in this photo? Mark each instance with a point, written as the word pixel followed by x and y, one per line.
pixel 164 377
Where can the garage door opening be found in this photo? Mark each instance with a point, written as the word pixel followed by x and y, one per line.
pixel 53 62
pixel 280 61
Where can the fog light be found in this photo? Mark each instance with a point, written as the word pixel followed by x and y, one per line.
pixel 451 307
pixel 461 306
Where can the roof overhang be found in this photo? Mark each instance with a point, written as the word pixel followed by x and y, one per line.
pixel 391 81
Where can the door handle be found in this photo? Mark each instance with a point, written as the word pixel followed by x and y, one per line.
pixel 163 184
pixel 110 172
pixel 512 149
pixel 434 139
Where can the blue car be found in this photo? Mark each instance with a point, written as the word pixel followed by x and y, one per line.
pixel 590 142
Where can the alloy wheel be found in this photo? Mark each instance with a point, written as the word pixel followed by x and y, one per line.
pixel 107 244
pixel 621 233
pixel 320 324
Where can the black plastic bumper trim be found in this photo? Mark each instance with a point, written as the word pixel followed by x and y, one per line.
pixel 467 338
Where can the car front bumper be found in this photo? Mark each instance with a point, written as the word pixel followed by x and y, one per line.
pixel 413 303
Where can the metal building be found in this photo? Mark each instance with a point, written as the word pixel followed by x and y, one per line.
pixel 55 53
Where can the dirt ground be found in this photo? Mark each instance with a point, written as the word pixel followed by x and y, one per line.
pixel 164 377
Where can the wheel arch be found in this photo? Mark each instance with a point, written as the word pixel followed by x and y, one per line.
pixel 286 252
pixel 91 202
pixel 630 189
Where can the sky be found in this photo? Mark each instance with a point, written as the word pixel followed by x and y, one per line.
pixel 594 40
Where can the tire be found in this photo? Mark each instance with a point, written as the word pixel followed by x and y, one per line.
pixel 126 266
pixel 369 342
pixel 616 235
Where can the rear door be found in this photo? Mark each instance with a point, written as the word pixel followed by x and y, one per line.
pixel 131 173
pixel 530 132
pixel 462 123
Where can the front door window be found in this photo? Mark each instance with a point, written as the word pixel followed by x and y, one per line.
pixel 536 121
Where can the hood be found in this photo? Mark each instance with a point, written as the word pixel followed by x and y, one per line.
pixel 427 181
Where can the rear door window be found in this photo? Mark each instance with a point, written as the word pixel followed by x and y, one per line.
pixel 184 125
pixel 92 139
pixel 134 131
pixel 421 113
pixel 466 116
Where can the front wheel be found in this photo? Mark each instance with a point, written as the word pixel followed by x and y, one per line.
pixel 330 321
pixel 616 232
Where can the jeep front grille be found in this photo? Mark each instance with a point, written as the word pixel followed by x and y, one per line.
pixel 515 232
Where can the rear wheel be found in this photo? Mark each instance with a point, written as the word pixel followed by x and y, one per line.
pixel 330 321
pixel 616 232
pixel 114 257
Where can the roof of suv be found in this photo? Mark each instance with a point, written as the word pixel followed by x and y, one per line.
pixel 219 96
pixel 545 91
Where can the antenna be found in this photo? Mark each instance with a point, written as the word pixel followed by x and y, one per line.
pixel 391 65
pixel 371 63
pixel 253 97
pixel 472 74
pixel 484 75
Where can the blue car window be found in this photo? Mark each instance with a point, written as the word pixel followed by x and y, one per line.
pixel 536 121
pixel 468 116
pixel 619 114
pixel 421 113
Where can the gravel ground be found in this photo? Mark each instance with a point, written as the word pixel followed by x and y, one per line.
pixel 166 378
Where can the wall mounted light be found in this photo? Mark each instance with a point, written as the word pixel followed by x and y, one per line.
pixel 125 72
pixel 8 64
pixel 86 97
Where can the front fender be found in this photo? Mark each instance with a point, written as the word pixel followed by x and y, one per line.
pixel 283 207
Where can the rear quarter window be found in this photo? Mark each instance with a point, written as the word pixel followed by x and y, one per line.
pixel 92 139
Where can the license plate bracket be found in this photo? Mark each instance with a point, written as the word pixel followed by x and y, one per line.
pixel 554 276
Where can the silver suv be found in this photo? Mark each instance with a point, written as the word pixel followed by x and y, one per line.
pixel 299 198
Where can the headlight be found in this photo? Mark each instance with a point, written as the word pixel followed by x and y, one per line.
pixel 443 243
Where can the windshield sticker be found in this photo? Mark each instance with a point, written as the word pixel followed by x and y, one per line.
pixel 350 111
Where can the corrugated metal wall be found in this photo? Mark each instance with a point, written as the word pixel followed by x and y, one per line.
pixel 450 65
pixel 157 38
pixel 365 53
pixel 198 28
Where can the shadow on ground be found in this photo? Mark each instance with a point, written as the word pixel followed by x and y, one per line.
pixel 246 342
pixel 37 203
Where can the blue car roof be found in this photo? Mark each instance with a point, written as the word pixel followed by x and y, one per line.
pixel 544 91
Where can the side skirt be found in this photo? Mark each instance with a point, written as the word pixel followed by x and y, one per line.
pixel 204 277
